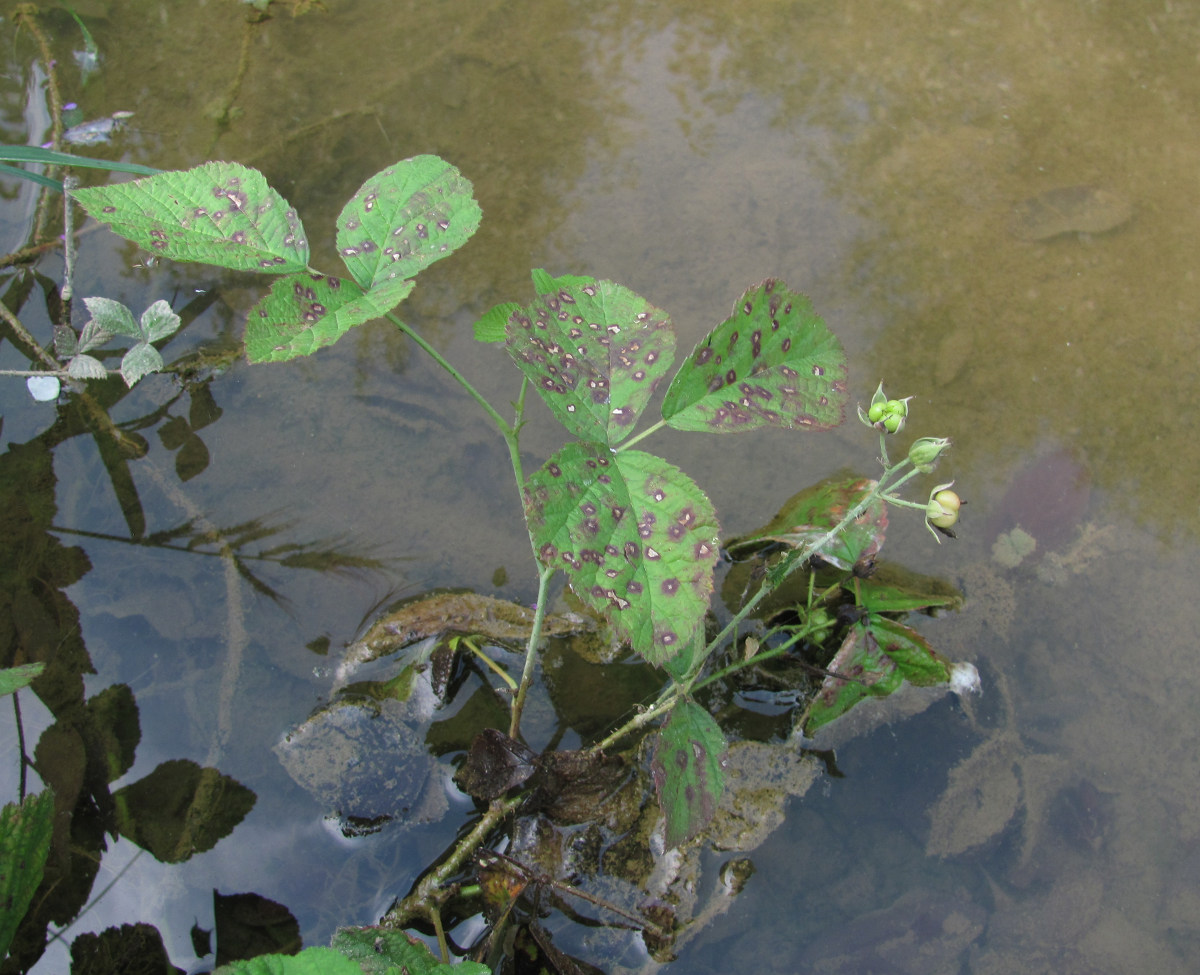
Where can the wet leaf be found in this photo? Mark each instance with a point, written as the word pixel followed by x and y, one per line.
pixel 495 764
pixel 865 669
pixel 636 537
pixel 218 213
pixel 810 514
pixel 404 218
pixel 773 363
pixel 895 590
pixel 917 661
pixel 595 351
pixel 687 771
pixel 569 786
pixel 502 881
pixel 306 312
pixel 25 832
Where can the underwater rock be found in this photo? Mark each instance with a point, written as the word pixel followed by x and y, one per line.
pixel 1069 209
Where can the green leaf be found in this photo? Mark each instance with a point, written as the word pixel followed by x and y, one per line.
pixel 892 590
pixel 636 537
pixel 491 327
pixel 595 352
pixel 687 771
pixel 218 213
pixel 310 961
pixel 111 317
pixel 917 662
pixel 14 678
pixel 140 361
pixel 158 321
pixel 25 832
pixel 810 514
pixel 545 283
pixel 774 363
pixel 379 950
pixel 869 672
pixel 404 218
pixel 86 367
pixel 306 312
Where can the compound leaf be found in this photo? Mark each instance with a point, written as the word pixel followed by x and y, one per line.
pixel 404 218
pixel 773 363
pixel 308 311
pixel 687 771
pixel 636 537
pixel 594 350
pixel 218 213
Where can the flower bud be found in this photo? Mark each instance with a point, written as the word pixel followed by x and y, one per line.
pixel 941 512
pixel 924 452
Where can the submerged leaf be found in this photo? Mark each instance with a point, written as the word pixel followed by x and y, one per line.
pixel 306 312
pixel 773 363
pixel 218 213
pixel 687 771
pixel 636 537
pixel 595 351
pixel 404 218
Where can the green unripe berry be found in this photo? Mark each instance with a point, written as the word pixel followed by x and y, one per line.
pixel 892 423
pixel 875 413
pixel 942 510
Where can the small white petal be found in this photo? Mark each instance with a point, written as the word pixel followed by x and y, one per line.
pixel 43 388
pixel 964 679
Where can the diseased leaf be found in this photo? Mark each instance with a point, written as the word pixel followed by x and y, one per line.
pixel 687 771
pixel 916 660
pixel 491 326
pixel 863 669
pixel 595 352
pixel 636 537
pixel 773 363
pixel 306 312
pixel 218 213
pixel 404 218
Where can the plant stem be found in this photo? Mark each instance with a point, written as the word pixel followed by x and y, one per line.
pixel 535 636
pixel 457 376
pixel 641 436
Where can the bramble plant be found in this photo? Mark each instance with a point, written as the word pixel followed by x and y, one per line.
pixel 636 538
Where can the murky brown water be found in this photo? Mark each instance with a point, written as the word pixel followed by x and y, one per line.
pixel 869 154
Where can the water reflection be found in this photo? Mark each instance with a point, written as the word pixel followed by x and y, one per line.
pixel 873 158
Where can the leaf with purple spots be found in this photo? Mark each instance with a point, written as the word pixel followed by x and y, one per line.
pixel 636 537
pixel 811 514
pixel 404 218
pixel 305 312
pixel 218 213
pixel 773 363
pixel 687 771
pixel 595 351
